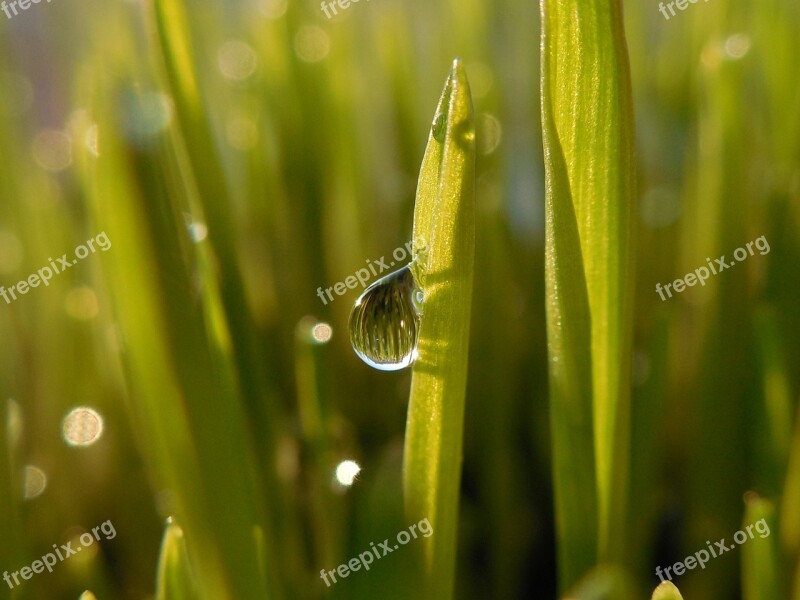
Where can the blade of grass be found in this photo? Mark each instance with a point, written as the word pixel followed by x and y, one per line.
pixel 790 516
pixel 186 405
pixel 444 218
pixel 174 580
pixel 587 121
pixel 717 219
pixel 10 484
pixel 774 415
pixel 760 556
pixel 666 591
pixel 171 24
pixel 603 583
pixel 796 582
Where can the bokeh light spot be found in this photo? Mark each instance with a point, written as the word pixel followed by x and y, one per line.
pixel 274 9
pixel 146 114
pixel 197 231
pixel 35 482
pixel 52 150
pixel 346 472
pixel 82 426
pixel 489 133
pixel 311 44
pixel 236 60
pixel 322 332
pixel 737 46
pixel 81 303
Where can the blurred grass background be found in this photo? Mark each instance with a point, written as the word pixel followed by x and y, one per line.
pixel 276 157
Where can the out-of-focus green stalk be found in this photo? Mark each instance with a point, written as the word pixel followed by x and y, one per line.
pixel 588 134
pixel 174 580
pixel 325 510
pixel 716 218
pixel 444 220
pixel 172 27
pixel 761 559
pixel 772 440
pixel 602 583
pixel 790 515
pixel 666 591
pixel 185 405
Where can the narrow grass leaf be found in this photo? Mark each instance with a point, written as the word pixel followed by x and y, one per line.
pixel 444 220
pixel 172 26
pixel 602 583
pixel 175 580
pixel 760 556
pixel 587 122
pixel 666 591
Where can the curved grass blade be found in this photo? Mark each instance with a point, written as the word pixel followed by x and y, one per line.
pixel 444 221
pixel 603 583
pixel 666 591
pixel 175 580
pixel 760 556
pixel 171 23
pixel 587 121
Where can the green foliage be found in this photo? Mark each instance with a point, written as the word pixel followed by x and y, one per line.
pixel 666 591
pixel 588 141
pixel 444 220
pixel 239 156
pixel 175 580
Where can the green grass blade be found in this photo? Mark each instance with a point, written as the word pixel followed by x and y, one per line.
pixel 790 516
pixel 796 582
pixel 602 583
pixel 761 559
pixel 774 413
pixel 444 218
pixel 588 138
pixel 172 25
pixel 174 580
pixel 666 591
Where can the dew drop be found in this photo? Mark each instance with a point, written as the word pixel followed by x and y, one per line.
pixel 384 322
pixel 439 127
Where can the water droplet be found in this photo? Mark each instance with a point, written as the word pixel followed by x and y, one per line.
pixel 439 127
pixel 197 231
pixel 384 322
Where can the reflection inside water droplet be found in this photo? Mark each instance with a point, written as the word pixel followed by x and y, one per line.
pixel 384 322
pixel 439 127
